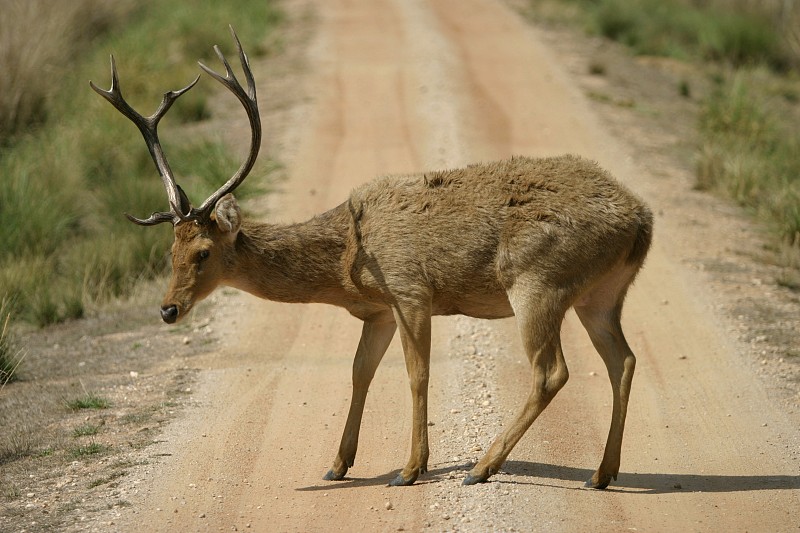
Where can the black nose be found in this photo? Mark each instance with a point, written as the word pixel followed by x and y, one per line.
pixel 169 314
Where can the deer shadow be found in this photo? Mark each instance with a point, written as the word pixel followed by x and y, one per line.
pixel 550 475
pixel 652 483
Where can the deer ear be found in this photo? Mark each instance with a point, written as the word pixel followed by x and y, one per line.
pixel 227 215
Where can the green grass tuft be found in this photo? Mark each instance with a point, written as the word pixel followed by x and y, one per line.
pixel 94 448
pixel 89 401
pixel 107 479
pixel 85 430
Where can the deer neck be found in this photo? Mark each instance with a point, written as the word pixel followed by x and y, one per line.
pixel 298 263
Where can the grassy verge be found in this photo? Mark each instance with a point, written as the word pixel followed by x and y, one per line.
pixel 71 165
pixel 751 150
pixel 737 33
pixel 750 144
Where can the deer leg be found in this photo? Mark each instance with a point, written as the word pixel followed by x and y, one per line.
pixel 415 332
pixel 376 335
pixel 539 327
pixel 605 331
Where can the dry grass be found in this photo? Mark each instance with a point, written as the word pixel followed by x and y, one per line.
pixel 751 151
pixel 10 355
pixel 39 39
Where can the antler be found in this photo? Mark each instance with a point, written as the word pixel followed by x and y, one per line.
pixel 179 203
pixel 148 126
pixel 248 100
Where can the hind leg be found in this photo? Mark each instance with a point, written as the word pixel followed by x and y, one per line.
pixel 539 322
pixel 600 311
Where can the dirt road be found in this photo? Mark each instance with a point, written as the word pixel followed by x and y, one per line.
pixel 407 85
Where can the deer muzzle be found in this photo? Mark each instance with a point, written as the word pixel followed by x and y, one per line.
pixel 169 313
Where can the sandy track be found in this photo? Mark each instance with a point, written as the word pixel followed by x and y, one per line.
pixel 407 85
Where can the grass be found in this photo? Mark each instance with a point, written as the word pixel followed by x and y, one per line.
pixel 751 151
pixel 85 430
pixel 737 33
pixel 72 165
pixel 10 356
pixel 88 401
pixel 31 44
pixel 106 479
pixel 93 448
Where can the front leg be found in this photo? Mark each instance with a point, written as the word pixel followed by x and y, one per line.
pixel 376 335
pixel 415 332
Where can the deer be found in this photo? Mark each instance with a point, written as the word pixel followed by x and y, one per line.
pixel 523 237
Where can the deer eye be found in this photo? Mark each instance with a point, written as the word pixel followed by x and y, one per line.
pixel 203 255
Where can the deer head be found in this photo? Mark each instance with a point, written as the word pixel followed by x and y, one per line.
pixel 204 235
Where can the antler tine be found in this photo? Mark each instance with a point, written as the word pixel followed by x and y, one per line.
pixel 174 216
pixel 250 103
pixel 148 126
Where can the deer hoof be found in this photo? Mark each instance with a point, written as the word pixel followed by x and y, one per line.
pixel 333 476
pixel 598 482
pixel 474 480
pixel 400 481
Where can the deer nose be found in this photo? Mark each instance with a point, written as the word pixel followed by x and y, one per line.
pixel 169 313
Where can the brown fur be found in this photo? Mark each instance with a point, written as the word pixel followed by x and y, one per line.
pixel 525 237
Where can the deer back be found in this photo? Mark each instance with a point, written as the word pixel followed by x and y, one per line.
pixel 461 238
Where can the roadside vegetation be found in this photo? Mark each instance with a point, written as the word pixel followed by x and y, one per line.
pixel 749 145
pixel 71 165
pixel 10 355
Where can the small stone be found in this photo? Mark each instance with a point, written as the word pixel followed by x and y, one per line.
pixel 388 506
pixel 186 340
pixel 202 515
